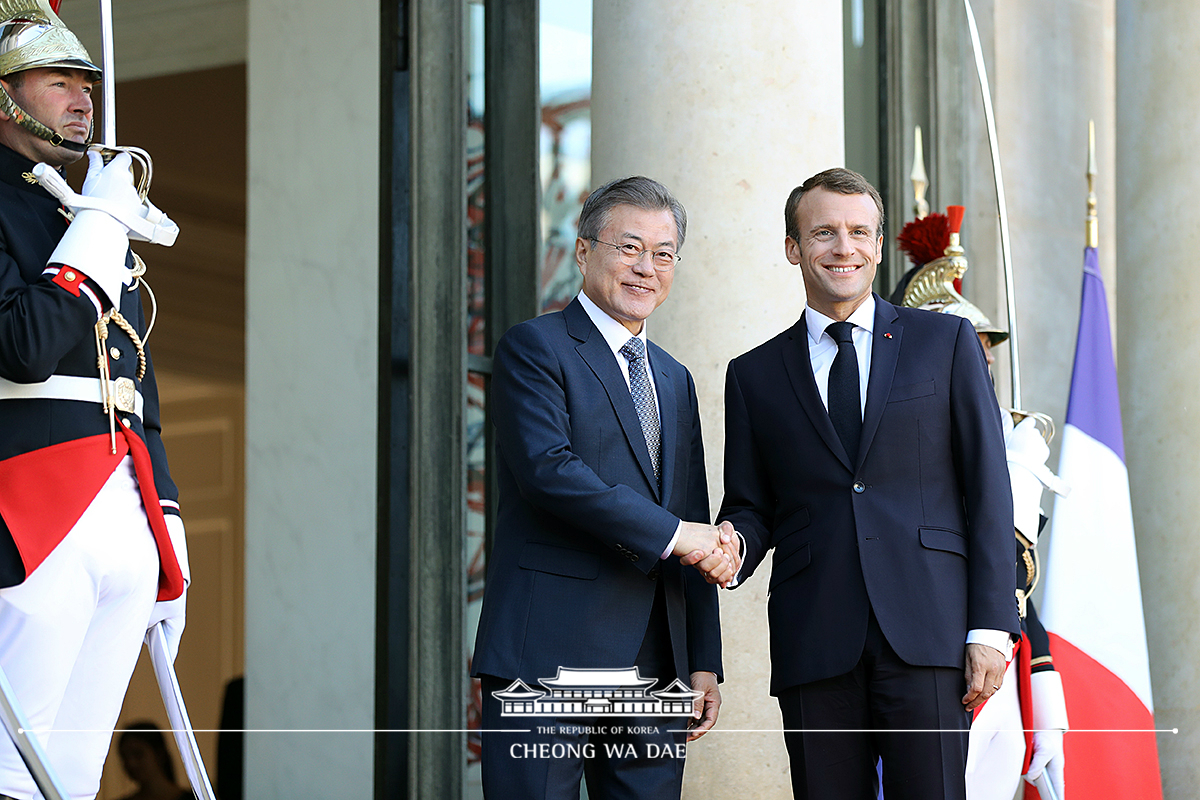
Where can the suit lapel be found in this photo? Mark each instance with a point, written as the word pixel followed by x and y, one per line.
pixel 885 352
pixel 798 364
pixel 594 350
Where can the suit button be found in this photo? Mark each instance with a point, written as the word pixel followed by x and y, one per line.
pixel 115 353
pixel 859 487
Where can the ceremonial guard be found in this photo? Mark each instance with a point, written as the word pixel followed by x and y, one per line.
pixel 92 551
pixel 1031 696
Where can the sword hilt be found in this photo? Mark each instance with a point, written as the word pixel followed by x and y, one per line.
pixel 139 156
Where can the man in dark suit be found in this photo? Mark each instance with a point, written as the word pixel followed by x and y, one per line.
pixel 601 478
pixel 869 455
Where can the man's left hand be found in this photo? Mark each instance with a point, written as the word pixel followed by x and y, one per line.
pixel 985 674
pixel 706 706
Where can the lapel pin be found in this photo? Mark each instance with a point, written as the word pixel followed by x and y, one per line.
pixel 887 336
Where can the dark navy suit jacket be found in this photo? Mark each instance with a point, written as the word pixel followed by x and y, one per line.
pixel 582 522
pixel 916 526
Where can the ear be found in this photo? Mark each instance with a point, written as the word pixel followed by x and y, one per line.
pixel 581 251
pixel 792 248
pixel 879 248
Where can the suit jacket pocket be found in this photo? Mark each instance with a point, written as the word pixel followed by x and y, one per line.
pixel 560 561
pixel 944 539
pixel 788 565
pixel 911 390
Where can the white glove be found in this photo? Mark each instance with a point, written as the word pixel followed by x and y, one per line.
pixel 171 612
pixel 1027 453
pixel 143 221
pixel 1048 756
pixel 1050 720
pixel 96 242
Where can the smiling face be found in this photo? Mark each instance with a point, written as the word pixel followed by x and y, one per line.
pixel 60 99
pixel 838 250
pixel 628 293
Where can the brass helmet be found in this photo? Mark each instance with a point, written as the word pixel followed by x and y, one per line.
pixel 935 285
pixel 33 36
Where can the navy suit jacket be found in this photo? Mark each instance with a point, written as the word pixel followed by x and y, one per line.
pixel 916 526
pixel 581 520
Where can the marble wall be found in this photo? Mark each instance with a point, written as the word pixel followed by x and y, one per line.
pixel 1157 166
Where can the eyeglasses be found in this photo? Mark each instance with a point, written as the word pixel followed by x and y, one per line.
pixel 631 253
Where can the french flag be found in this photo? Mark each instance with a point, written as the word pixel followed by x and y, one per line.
pixel 1092 605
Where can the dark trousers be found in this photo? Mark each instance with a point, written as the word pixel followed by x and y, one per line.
pixel 621 758
pixel 840 727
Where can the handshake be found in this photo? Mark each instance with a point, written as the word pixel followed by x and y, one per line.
pixel 715 550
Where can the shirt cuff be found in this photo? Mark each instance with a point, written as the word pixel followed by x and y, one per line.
pixel 674 539
pixel 1000 640
pixel 738 575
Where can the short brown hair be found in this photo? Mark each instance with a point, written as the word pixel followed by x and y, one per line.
pixel 838 179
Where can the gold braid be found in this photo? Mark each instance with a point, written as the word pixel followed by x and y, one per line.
pixel 139 272
pixel 124 325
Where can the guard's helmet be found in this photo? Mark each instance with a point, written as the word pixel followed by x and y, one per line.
pixel 33 36
pixel 935 286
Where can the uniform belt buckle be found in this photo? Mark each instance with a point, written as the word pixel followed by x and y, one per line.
pixel 124 395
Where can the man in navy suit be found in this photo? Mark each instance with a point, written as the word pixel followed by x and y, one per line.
pixel 602 490
pixel 864 445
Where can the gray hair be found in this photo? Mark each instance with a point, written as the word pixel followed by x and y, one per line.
pixel 838 179
pixel 636 191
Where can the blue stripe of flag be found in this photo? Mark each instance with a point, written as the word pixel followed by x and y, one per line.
pixel 1094 406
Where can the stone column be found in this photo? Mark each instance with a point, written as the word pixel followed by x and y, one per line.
pixel 730 106
pixel 1158 162
pixel 1042 127
pixel 312 343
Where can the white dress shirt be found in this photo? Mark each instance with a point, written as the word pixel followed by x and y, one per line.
pixel 822 349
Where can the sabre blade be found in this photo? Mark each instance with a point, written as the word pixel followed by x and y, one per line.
pixel 1001 206
pixel 108 87
pixel 168 684
pixel 27 746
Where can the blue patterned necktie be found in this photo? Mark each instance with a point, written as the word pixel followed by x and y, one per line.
pixel 643 398
pixel 845 406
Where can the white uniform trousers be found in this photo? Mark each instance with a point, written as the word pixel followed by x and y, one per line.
pixel 70 636
pixel 996 744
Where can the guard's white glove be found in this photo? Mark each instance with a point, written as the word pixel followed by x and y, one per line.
pixel 171 612
pixel 96 241
pixel 1048 756
pixel 143 222
pixel 1050 718
pixel 1027 453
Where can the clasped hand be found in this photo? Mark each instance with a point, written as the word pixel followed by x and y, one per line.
pixel 712 549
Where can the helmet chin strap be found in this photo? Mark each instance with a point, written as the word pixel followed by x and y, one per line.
pixel 26 121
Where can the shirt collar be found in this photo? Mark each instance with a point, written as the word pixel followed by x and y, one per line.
pixel 613 331
pixel 863 317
